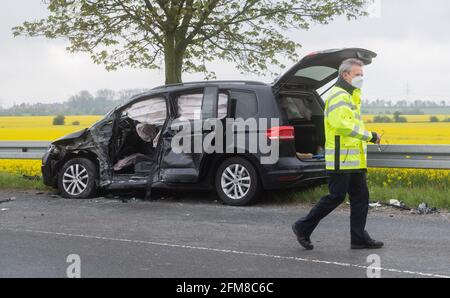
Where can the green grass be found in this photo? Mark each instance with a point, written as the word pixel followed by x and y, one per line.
pixel 412 197
pixel 11 181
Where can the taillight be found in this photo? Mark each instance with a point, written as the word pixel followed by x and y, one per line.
pixel 281 133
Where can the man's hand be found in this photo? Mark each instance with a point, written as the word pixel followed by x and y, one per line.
pixel 378 141
pixel 376 138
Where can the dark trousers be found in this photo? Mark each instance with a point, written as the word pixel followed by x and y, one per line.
pixel 355 184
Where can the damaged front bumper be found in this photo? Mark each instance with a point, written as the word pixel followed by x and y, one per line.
pixel 49 161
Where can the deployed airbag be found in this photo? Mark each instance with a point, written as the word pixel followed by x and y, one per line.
pixel 152 111
pixel 146 132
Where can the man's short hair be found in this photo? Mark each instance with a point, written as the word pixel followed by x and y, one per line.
pixel 346 66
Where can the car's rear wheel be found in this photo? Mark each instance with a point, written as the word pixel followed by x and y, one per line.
pixel 237 182
pixel 77 179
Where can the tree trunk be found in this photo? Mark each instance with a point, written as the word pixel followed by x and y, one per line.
pixel 173 61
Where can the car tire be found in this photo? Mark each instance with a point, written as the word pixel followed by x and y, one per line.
pixel 237 182
pixel 77 179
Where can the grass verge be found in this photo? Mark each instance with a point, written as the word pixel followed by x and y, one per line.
pixel 14 181
pixel 411 196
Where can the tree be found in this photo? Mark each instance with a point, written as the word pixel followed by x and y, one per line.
pixel 59 120
pixel 398 118
pixel 434 119
pixel 186 34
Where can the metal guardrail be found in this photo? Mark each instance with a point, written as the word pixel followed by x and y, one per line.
pixel 409 156
pixel 392 156
pixel 23 150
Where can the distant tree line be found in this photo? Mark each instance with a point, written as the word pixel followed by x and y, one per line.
pixel 381 103
pixel 83 103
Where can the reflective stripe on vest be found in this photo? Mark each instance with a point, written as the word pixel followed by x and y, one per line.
pixel 336 95
pixel 338 105
pixel 343 152
pixel 356 132
pixel 344 164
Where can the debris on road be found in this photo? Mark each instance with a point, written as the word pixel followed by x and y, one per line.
pixel 375 205
pixel 7 200
pixel 4 209
pixel 397 203
pixel 392 203
pixel 424 209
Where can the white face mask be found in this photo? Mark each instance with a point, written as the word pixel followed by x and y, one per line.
pixel 358 82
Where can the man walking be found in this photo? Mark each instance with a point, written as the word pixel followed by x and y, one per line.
pixel 346 159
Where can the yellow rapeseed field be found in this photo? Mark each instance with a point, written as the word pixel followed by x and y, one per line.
pixel 40 128
pixel 418 130
pixel 413 133
pixel 20 167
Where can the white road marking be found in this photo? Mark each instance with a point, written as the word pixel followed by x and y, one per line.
pixel 228 251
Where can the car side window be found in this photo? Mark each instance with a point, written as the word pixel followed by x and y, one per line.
pixel 190 106
pixel 222 105
pixel 246 103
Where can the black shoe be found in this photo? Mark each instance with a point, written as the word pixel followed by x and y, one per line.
pixel 370 244
pixel 303 240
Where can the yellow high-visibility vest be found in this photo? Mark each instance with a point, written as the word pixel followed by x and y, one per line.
pixel 345 132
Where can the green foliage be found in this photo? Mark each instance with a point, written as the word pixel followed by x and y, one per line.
pixel 76 123
pixel 398 118
pixel 186 34
pixel 59 120
pixel 434 119
pixel 382 119
pixel 12 181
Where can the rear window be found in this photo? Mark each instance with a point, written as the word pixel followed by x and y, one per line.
pixel 300 108
pixel 246 104
pixel 317 73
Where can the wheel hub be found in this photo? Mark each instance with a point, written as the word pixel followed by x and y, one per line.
pixel 236 181
pixel 75 179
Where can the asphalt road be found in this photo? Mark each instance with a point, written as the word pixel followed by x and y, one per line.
pixel 202 238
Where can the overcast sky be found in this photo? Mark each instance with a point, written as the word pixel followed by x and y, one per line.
pixel 411 38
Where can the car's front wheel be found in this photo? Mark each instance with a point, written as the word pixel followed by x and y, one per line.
pixel 77 179
pixel 237 182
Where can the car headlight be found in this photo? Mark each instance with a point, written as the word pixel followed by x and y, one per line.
pixel 53 149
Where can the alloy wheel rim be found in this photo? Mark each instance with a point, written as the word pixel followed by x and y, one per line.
pixel 75 179
pixel 236 181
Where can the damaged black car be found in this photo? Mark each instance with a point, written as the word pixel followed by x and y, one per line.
pixel 131 147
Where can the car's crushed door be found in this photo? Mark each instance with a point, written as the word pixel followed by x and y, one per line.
pixel 102 133
pixel 182 149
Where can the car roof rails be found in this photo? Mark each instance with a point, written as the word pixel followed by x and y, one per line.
pixel 211 82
